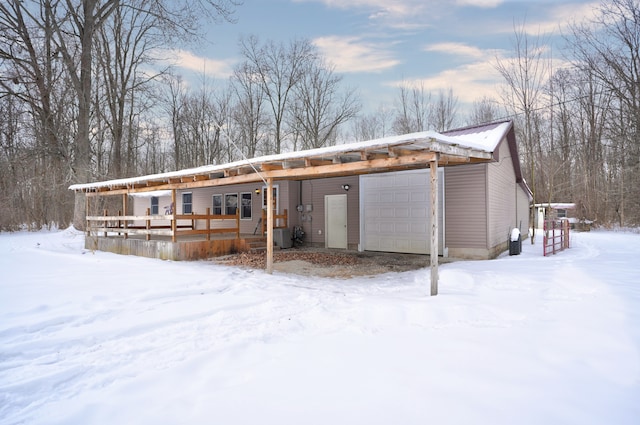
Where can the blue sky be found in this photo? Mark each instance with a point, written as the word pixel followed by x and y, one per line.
pixel 378 44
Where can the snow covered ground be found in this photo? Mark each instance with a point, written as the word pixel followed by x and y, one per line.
pixel 105 339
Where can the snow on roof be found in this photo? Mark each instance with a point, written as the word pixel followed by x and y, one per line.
pixel 483 139
pixel 558 205
pixel 158 193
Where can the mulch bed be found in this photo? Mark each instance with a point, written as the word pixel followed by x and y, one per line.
pixel 257 260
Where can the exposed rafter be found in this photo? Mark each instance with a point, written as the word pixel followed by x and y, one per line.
pixel 355 159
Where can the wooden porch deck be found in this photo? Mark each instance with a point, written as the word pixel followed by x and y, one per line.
pixel 191 247
pixel 172 236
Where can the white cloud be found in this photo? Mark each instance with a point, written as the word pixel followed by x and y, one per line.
pixel 456 49
pixel 189 61
pixel 398 14
pixel 352 54
pixel 470 82
pixel 396 7
pixel 559 17
pixel 480 3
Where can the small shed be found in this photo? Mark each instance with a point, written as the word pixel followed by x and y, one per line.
pixel 553 210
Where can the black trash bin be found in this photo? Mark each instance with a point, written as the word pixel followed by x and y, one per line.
pixel 515 242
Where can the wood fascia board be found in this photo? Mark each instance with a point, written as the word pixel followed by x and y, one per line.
pixel 358 167
pixel 268 166
pixel 313 168
pixel 455 150
pixel 225 181
pixel 315 162
pixel 450 159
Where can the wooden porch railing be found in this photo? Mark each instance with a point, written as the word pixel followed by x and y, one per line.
pixel 172 225
pixel 279 220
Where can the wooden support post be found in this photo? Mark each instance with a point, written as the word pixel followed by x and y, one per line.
pixel 148 225
pixel 208 224
pixel 119 221
pixel 174 224
pixel 125 206
pixel 105 223
pixel 433 165
pixel 269 225
pixel 88 224
pixel 238 223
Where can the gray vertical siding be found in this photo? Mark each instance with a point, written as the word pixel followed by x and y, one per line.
pixel 465 206
pixel 502 193
pixel 522 218
pixel 313 193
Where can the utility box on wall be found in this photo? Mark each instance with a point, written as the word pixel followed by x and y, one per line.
pixel 282 238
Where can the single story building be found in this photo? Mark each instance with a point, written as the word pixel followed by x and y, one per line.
pixel 393 194
pixel 552 211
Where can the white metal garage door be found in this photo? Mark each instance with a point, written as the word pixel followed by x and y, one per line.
pixel 395 212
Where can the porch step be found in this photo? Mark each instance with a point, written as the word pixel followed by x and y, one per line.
pixel 260 245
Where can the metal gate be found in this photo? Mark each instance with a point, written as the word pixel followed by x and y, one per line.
pixel 555 236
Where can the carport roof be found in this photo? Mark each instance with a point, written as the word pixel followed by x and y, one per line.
pixel 403 152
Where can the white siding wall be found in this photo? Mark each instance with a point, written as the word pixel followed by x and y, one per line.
pixel 202 198
pixel 141 203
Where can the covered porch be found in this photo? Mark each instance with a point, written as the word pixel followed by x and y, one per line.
pixel 407 152
pixel 173 236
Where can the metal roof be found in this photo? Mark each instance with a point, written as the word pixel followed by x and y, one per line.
pixel 407 151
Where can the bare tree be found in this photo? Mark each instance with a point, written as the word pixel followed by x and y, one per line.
pixel 173 102
pixel 413 105
pixel 321 107
pixel 483 111
pixel 279 68
pixel 374 125
pixel 249 113
pixel 33 76
pixel 123 45
pixel 43 38
pixel 444 110
pixel 609 46
pixel 525 75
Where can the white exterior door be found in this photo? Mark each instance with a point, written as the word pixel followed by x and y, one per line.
pixel 395 212
pixel 336 221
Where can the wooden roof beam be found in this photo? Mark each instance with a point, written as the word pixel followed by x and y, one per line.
pixel 358 167
pixel 314 162
pixel 267 166
pixel 451 159
pixel 368 155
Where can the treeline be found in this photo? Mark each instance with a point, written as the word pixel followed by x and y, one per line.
pixel 83 97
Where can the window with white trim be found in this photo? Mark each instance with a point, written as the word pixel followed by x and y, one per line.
pixel 230 203
pixel 187 203
pixel 275 197
pixel 217 205
pixel 154 205
pixel 245 206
